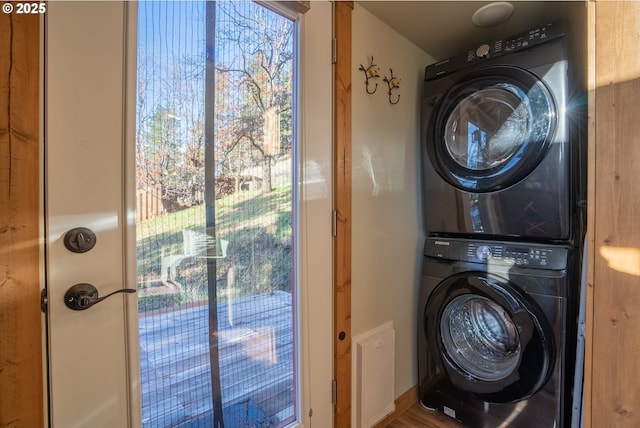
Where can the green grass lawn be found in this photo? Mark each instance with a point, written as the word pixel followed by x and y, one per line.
pixel 259 256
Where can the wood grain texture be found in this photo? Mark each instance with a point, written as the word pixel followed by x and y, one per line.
pixel 21 376
pixel 342 205
pixel 418 417
pixel 615 368
pixel 403 404
pixel 261 372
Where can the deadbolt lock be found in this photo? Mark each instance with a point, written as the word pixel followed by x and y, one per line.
pixel 80 240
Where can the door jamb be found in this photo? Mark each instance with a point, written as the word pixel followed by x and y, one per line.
pixel 342 206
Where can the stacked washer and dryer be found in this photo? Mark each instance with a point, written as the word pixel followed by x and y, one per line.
pixel 504 212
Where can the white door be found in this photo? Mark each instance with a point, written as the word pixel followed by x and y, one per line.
pixel 90 134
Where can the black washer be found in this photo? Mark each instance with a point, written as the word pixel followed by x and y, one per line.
pixel 495 339
pixel 504 332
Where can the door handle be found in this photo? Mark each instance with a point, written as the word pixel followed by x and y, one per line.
pixel 83 296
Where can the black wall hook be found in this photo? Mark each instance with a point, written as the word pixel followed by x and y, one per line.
pixel 394 83
pixel 371 72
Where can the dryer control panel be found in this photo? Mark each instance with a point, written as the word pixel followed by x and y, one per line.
pixel 530 255
pixel 526 40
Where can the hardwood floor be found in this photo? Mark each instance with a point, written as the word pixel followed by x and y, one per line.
pixel 255 354
pixel 418 417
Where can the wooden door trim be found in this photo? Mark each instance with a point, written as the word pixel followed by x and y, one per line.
pixel 21 366
pixel 342 205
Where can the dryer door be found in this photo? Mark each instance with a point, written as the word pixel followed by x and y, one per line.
pixel 492 128
pixel 492 339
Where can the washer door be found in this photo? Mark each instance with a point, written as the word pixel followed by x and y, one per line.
pixel 491 338
pixel 491 129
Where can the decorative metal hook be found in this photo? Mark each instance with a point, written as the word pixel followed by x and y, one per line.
pixel 371 72
pixel 394 83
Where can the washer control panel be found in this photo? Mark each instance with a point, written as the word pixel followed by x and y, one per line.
pixel 483 51
pixel 530 255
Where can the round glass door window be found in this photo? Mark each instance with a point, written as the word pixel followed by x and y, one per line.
pixel 487 128
pixel 489 337
pixel 492 129
pixel 480 338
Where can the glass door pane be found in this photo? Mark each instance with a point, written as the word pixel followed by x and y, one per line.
pixel 215 150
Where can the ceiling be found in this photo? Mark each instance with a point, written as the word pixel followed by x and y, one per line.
pixel 444 29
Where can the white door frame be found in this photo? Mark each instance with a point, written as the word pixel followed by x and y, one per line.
pixel 84 134
pixel 90 56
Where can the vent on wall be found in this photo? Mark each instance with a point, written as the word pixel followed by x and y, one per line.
pixel 374 374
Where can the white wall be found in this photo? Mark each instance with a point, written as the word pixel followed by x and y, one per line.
pixel 387 229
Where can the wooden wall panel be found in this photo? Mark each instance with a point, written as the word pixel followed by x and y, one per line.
pixel 615 294
pixel 21 377
pixel 342 204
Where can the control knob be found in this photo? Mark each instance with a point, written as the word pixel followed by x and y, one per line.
pixel 483 252
pixel 483 51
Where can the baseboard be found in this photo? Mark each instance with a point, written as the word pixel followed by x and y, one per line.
pixel 403 403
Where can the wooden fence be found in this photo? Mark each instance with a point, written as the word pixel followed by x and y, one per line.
pixel 148 203
pixel 149 200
